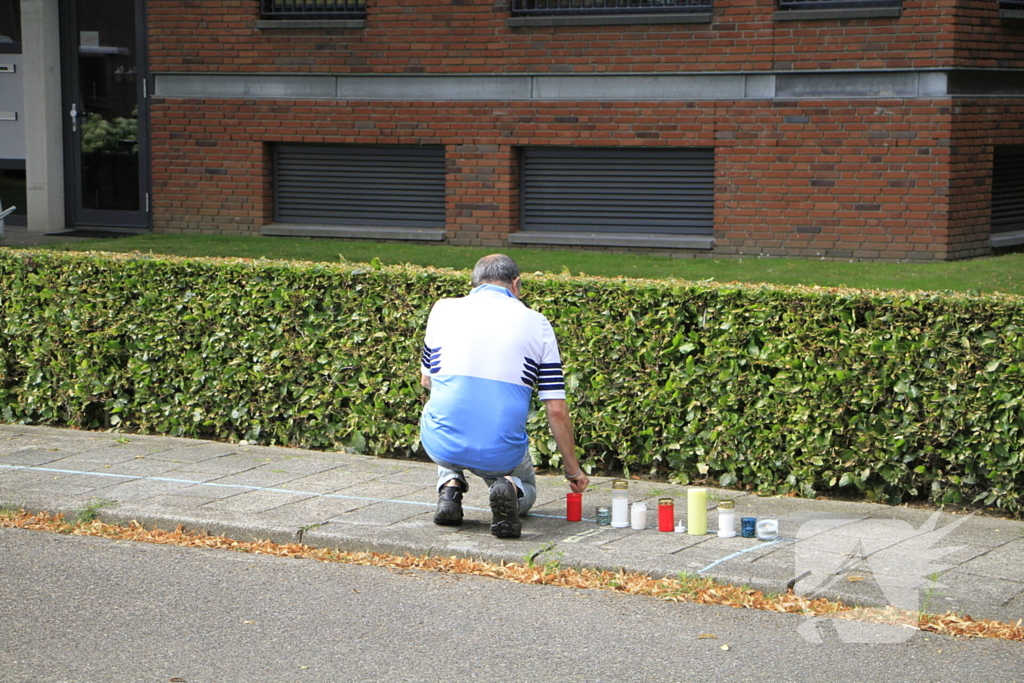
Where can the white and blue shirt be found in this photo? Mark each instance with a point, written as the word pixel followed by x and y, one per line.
pixel 484 354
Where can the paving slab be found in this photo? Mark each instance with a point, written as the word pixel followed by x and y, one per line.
pixel 314 510
pixel 89 461
pixel 381 514
pixel 139 466
pixel 360 502
pixel 379 490
pixel 227 464
pixel 31 455
pixel 251 502
pixel 1006 561
pixel 299 466
pixel 140 490
pixel 979 596
pixel 330 481
pixel 199 452
pixel 256 478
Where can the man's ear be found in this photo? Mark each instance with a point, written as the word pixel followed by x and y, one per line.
pixel 517 286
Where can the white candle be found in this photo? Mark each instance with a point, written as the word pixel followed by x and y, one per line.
pixel 638 516
pixel 726 519
pixel 620 504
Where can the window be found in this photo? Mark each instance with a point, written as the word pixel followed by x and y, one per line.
pixel 534 8
pixel 1007 193
pixel 1012 4
pixel 638 191
pixel 360 185
pixel 10 26
pixel 796 10
pixel 837 4
pixel 314 9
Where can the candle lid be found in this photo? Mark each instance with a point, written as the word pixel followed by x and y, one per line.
pixel 727 504
pixel 664 501
pixel 620 484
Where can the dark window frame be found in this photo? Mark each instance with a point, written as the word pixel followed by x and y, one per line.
pixel 798 5
pixel 312 9
pixel 15 47
pixel 568 8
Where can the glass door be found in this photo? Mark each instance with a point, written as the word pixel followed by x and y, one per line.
pixel 105 113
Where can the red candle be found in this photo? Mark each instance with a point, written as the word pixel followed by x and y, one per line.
pixel 666 515
pixel 573 507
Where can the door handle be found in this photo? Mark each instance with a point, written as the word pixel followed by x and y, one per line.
pixel 74 118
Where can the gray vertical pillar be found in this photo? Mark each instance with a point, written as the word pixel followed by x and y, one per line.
pixel 44 112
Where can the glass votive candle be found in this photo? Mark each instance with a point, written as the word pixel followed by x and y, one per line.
pixel 748 527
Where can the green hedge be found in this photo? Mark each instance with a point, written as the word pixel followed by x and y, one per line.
pixel 888 395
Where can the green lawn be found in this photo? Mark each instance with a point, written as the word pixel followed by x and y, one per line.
pixel 999 273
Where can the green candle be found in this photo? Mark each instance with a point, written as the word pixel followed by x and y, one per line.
pixel 697 512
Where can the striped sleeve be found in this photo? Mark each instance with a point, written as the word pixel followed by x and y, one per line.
pixel 550 378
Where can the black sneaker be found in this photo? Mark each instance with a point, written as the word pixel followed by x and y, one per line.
pixel 505 510
pixel 449 506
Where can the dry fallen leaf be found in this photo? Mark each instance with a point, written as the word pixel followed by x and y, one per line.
pixel 706 635
pixel 854 578
pixel 699 591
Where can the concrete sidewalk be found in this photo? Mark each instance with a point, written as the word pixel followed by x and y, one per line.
pixel 861 553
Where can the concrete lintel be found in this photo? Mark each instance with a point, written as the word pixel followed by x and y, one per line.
pixel 1014 14
pixel 640 87
pixel 611 20
pixel 433 87
pixel 847 84
pixel 352 232
pixel 245 85
pixel 759 87
pixel 827 14
pixel 933 84
pixel 613 239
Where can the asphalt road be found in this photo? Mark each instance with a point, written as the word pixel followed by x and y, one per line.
pixel 89 610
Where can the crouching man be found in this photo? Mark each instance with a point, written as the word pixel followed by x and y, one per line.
pixel 484 355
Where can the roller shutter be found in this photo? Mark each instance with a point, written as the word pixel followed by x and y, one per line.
pixel 360 185
pixel 1008 189
pixel 663 191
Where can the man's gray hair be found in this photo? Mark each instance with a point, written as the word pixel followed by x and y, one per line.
pixel 496 269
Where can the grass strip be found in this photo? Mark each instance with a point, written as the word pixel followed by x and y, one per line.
pixel 989 274
pixel 685 588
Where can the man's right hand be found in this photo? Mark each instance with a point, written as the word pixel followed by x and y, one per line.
pixel 580 483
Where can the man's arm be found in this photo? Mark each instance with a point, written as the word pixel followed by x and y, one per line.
pixel 425 381
pixel 561 428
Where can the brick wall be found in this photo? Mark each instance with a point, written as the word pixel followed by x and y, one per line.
pixel 868 178
pixel 472 36
pixel 978 126
pixel 831 179
pixel 983 40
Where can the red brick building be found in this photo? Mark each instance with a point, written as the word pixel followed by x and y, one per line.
pixel 874 129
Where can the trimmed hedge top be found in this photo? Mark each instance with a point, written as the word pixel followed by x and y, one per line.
pixel 892 395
